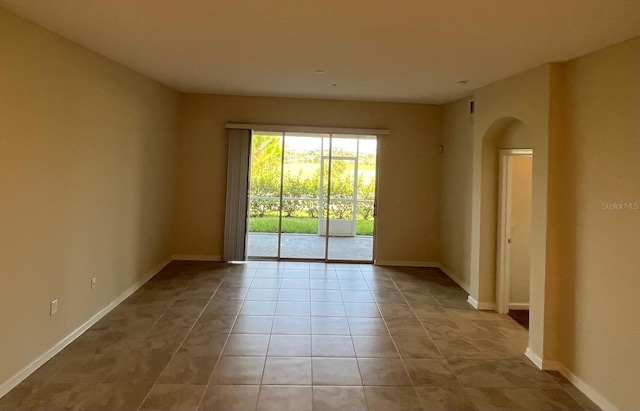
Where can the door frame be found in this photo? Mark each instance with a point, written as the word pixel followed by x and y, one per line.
pixel 330 136
pixel 503 258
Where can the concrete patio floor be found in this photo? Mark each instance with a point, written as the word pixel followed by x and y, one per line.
pixel 310 246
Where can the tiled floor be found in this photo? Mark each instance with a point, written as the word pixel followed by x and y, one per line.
pixel 296 336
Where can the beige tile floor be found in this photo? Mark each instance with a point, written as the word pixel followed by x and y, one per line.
pixel 296 336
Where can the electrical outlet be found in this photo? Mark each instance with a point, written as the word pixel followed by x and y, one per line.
pixel 54 307
pixel 93 283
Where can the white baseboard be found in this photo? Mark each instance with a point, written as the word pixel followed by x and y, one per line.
pixel 196 257
pixel 518 306
pixel 535 358
pixel 17 378
pixel 486 306
pixel 586 389
pixel 480 305
pixel 455 278
pixel 400 263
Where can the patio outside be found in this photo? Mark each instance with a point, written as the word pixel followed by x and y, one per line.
pixel 310 246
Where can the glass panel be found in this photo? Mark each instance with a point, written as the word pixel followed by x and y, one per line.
pixel 342 189
pixel 300 197
pixel 264 194
pixel 367 155
pixel 344 146
pixel 312 190
pixel 352 197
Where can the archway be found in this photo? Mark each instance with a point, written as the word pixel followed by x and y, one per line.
pixel 488 136
pixel 505 133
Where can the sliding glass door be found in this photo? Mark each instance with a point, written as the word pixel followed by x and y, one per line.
pixel 265 190
pixel 311 196
pixel 300 187
pixel 351 198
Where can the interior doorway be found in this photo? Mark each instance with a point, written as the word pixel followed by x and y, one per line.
pixel 312 196
pixel 514 232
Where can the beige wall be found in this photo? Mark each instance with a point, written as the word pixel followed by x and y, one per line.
pixel 409 167
pixel 87 185
pixel 520 255
pixel 455 190
pixel 599 258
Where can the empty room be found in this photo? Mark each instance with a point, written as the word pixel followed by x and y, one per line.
pixel 290 205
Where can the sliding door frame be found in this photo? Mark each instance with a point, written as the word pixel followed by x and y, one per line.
pixel 331 131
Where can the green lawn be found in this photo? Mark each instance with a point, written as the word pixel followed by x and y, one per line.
pixel 364 227
pixel 299 225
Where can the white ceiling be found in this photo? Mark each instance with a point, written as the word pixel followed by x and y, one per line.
pixel 382 50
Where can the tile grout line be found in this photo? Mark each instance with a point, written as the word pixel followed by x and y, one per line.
pixel 394 342
pixel 311 339
pixel 182 342
pixel 431 338
pixel 225 342
pixel 280 278
pixel 364 392
pixel 171 358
